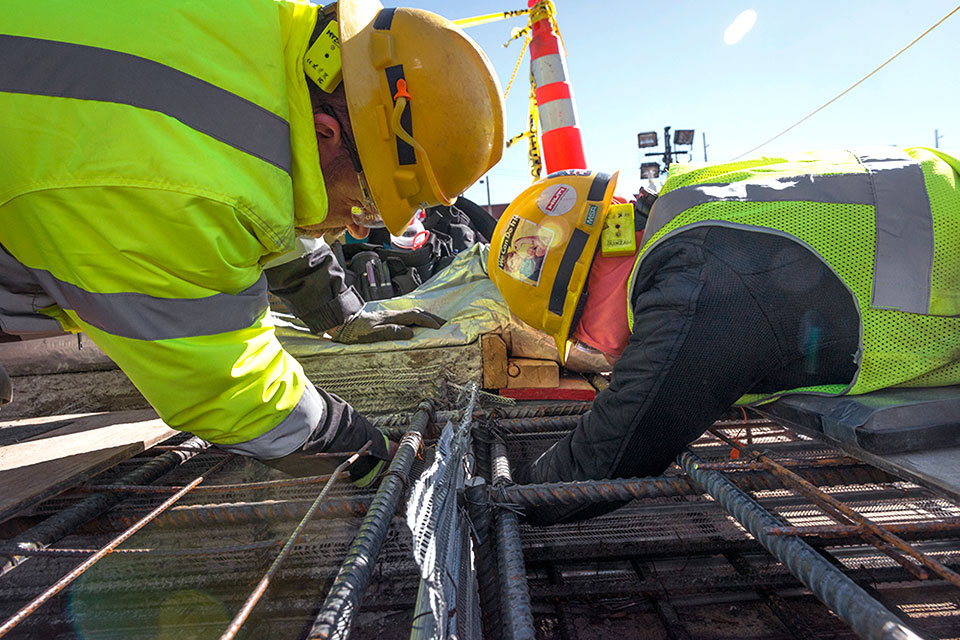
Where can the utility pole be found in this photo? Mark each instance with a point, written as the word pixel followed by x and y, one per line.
pixel 936 138
pixel 705 145
pixel 486 179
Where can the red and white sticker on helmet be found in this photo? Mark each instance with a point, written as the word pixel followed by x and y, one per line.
pixel 524 248
pixel 557 199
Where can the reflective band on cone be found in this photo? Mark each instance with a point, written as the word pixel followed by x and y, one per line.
pixel 562 141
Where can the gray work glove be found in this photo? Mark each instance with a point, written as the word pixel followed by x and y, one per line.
pixel 374 326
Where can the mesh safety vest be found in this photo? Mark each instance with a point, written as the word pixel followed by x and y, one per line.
pixel 154 153
pixel 885 221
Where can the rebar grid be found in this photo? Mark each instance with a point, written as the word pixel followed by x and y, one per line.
pixel 864 614
pixel 261 587
pixel 64 521
pixel 882 538
pixel 679 535
pixel 907 501
pixel 61 584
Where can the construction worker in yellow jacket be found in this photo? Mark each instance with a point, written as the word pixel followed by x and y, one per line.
pixel 827 272
pixel 156 154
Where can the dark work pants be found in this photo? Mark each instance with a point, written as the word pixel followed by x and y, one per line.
pixel 719 313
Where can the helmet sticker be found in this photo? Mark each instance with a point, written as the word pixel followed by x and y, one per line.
pixel 524 248
pixel 557 199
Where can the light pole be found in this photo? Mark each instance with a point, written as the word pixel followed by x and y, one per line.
pixel 486 180
pixel 936 138
pixel 705 145
pixel 649 139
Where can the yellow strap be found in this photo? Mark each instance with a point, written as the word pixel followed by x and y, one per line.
pixel 465 23
pixel 533 152
pixel 421 152
pixel 516 67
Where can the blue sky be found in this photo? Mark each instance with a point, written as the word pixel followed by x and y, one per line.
pixel 640 66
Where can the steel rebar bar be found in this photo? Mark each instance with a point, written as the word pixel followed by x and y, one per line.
pixel 237 513
pixel 545 409
pixel 342 603
pixel 621 490
pixel 946 528
pixel 59 525
pixel 261 587
pixel 63 582
pixel 867 617
pixel 213 488
pixel 544 424
pixel 514 593
pixel 539 410
pixel 476 500
pixel 745 465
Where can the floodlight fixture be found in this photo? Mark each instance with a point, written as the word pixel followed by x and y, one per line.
pixel 683 136
pixel 650 170
pixel 647 139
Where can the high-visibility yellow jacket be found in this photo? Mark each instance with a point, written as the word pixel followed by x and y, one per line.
pixel 885 221
pixel 153 155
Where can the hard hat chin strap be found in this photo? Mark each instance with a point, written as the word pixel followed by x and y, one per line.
pixel 401 99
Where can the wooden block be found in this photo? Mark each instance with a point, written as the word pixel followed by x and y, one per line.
pixel 569 388
pixel 527 342
pixel 494 361
pixel 524 373
pixel 44 465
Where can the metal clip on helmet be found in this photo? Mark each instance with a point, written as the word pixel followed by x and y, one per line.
pixel 544 245
pixel 425 105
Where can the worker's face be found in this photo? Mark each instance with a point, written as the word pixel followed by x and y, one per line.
pixel 344 191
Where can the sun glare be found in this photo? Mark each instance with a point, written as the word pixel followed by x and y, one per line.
pixel 740 27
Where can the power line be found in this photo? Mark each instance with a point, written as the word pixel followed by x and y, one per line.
pixel 851 87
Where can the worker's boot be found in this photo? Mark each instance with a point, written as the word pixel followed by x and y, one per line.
pixel 6 388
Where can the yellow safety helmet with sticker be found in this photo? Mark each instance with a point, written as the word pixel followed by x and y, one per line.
pixel 425 106
pixel 544 245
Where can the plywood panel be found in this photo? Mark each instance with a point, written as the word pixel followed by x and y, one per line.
pixel 76 448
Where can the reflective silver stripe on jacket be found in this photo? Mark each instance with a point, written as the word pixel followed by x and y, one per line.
pixel 129 315
pixel 20 297
pixel 904 253
pixel 893 185
pixel 66 70
pixel 290 434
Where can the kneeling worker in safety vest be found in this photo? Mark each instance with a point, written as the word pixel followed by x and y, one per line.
pixel 157 154
pixel 827 272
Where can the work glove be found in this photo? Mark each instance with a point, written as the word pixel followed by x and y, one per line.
pixel 341 432
pixel 374 326
pixel 363 473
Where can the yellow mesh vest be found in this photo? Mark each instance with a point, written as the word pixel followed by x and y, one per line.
pixel 917 348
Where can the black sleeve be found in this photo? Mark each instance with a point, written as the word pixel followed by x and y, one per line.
pixel 313 287
pixel 700 341
pixel 480 218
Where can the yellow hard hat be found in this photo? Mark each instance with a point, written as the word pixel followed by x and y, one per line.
pixel 543 247
pixel 425 105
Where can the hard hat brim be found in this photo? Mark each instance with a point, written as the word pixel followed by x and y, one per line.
pixel 353 16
